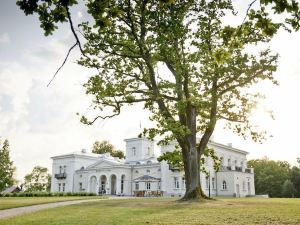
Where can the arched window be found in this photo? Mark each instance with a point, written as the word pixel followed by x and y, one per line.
pixel 224 185
pixel 133 151
pixel 148 171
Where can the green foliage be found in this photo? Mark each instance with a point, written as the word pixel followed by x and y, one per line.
pixel 6 167
pixel 288 189
pixel 38 180
pixel 175 159
pixel 270 176
pixel 295 178
pixel 106 147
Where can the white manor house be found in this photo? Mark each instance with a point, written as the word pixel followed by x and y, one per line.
pixel 140 174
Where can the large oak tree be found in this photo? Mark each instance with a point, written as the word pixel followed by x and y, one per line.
pixel 179 58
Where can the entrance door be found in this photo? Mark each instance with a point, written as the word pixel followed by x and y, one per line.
pixel 103 184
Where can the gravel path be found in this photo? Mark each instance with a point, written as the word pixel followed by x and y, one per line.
pixel 6 213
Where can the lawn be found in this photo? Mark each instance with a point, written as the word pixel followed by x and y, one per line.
pixel 14 202
pixel 168 211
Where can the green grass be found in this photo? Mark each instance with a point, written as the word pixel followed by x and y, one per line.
pixel 168 211
pixel 14 202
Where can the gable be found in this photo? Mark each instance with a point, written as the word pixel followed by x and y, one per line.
pixel 103 163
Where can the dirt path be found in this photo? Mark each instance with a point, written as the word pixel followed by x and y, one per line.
pixel 6 213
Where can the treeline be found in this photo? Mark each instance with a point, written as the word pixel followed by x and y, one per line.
pixel 276 178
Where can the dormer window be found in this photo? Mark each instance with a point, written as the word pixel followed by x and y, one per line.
pixel 133 151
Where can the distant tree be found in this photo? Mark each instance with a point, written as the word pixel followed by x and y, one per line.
pixel 295 178
pixel 118 153
pixel 6 167
pixel 298 161
pixel 270 176
pixel 101 147
pixel 288 190
pixel 38 180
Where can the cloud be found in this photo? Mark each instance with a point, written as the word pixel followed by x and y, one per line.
pixel 79 14
pixel 4 38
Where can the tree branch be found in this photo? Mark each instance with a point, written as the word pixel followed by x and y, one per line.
pixel 73 46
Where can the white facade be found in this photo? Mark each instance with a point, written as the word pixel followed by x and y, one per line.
pixel 140 174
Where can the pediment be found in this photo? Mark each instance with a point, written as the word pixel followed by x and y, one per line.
pixel 103 164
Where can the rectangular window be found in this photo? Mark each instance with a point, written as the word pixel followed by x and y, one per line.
pixel 59 187
pixel 80 186
pixel 65 169
pixel 207 182
pixel 158 185
pixel 63 187
pixel 176 182
pixel 183 182
pixel 148 185
pixel 137 186
pixel 213 182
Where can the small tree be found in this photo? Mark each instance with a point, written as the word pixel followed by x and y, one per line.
pixel 288 189
pixel 6 167
pixel 37 180
pixel 101 147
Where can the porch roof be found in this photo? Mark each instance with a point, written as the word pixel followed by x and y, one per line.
pixel 147 178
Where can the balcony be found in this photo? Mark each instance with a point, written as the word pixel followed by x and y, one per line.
pixel 174 169
pixel 238 168
pixel 248 170
pixel 60 176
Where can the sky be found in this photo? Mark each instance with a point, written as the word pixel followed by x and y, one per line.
pixel 41 121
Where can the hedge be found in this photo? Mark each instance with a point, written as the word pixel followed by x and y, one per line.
pixel 45 194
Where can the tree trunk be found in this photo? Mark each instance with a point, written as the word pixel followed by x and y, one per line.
pixel 192 162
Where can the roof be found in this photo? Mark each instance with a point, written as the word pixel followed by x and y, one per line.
pixel 11 189
pixel 78 153
pixel 227 147
pixel 147 178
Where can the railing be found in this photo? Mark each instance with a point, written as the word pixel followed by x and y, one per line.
pixel 238 168
pixel 60 176
pixel 173 168
pixel 247 170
